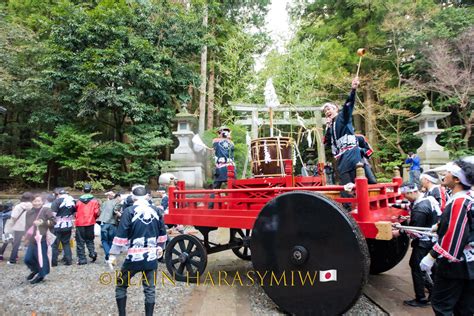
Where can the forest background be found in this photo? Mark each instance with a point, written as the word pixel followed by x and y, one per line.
pixel 90 88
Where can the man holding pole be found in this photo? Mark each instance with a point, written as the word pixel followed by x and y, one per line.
pixel 341 138
pixel 423 213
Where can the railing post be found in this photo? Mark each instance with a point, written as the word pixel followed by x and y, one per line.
pixel 362 194
pixel 230 176
pixel 397 179
pixel 288 165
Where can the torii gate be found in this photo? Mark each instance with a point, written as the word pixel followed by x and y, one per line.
pixel 287 120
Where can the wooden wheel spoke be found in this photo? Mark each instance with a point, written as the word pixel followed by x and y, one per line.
pixel 176 252
pixel 194 254
pixel 181 268
pixel 182 246
pixel 195 263
pixel 189 267
pixel 174 261
pixel 190 247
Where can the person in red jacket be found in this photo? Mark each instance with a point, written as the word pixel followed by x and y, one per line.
pixel 87 211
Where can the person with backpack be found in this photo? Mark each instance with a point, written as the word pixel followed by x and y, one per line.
pixel 88 210
pixel 16 225
pixel 453 290
pixel 64 208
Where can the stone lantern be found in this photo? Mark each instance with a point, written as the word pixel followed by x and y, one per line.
pixel 187 164
pixel 431 153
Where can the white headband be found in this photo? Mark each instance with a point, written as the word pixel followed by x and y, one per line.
pixel 429 178
pixel 456 171
pixel 329 105
pixel 407 189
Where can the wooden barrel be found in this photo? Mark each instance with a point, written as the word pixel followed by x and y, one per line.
pixel 268 154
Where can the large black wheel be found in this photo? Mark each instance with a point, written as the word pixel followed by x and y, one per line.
pixel 186 258
pixel 310 253
pixel 386 254
pixel 241 236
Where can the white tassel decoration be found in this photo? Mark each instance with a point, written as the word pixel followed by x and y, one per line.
pixel 266 154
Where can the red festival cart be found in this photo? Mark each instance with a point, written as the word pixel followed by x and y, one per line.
pixel 292 226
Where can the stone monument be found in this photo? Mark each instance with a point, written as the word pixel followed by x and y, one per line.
pixel 431 153
pixel 187 164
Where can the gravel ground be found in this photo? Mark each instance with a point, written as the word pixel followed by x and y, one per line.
pixel 77 290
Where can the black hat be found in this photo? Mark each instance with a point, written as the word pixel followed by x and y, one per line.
pixel 139 192
pixel 87 188
pixel 62 191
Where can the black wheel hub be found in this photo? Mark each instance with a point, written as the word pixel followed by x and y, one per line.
pixel 183 257
pixel 299 255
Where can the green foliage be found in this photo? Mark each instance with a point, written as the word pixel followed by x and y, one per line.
pixel 453 141
pixel 107 74
pixel 30 169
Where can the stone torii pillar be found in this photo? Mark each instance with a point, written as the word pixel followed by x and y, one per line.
pixel 431 153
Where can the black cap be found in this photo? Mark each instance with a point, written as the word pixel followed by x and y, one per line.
pixel 87 188
pixel 139 191
pixel 62 191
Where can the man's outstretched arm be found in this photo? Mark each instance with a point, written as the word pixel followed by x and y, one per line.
pixel 348 107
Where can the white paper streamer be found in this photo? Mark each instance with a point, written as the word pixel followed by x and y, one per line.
pixel 266 154
pixel 300 121
pixel 309 139
pixel 198 144
pixel 271 99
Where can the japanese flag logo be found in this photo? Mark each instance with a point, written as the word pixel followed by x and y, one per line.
pixel 327 275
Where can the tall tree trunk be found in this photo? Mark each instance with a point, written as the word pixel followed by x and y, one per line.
pixel 202 88
pixel 370 118
pixel 210 98
pixel 469 119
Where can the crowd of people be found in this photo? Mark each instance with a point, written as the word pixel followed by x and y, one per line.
pixel 442 258
pixel 47 224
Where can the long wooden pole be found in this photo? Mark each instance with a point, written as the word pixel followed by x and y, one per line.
pixel 358 66
pixel 271 122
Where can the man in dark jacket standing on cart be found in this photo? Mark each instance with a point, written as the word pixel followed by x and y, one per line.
pixel 88 209
pixel 141 230
pixel 341 138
